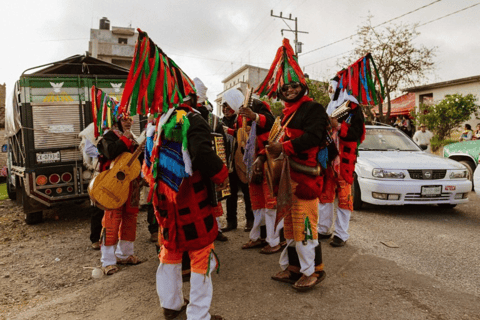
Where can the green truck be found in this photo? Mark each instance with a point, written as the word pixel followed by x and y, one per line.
pixel 50 106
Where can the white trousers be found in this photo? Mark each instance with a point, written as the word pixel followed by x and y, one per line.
pixel 306 255
pixel 169 290
pixel 325 220
pixel 266 217
pixel 122 250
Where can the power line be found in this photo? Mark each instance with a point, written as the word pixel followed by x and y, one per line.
pixel 349 37
pixel 382 23
pixel 473 5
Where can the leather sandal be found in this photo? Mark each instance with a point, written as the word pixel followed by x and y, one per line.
pixel 109 270
pixel 171 314
pixel 269 250
pixel 284 276
pixel 131 260
pixel 306 283
pixel 253 244
pixel 215 317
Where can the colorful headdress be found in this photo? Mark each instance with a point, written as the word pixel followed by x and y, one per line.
pixel 362 82
pixel 105 111
pixel 284 69
pixel 155 82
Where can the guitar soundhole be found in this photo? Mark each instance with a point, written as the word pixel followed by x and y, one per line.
pixel 121 175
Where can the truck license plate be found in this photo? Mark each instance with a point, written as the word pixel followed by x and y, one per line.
pixel 431 191
pixel 48 157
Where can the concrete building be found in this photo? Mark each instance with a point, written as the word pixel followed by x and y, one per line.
pixel 436 92
pixel 245 76
pixel 115 45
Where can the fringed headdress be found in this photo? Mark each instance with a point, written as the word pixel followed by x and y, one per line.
pixel 284 69
pixel 155 83
pixel 105 111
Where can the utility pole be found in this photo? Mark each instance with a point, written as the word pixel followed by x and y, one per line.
pixel 298 45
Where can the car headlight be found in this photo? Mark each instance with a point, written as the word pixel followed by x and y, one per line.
pixel 388 174
pixel 458 174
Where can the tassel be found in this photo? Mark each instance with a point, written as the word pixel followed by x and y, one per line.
pixel 307 231
pixel 188 162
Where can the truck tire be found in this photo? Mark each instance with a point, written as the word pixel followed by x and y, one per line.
pixel 470 169
pixel 12 194
pixel 34 217
pixel 356 194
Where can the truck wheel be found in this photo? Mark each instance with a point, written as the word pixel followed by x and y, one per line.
pixel 34 217
pixel 470 168
pixel 356 194
pixel 12 194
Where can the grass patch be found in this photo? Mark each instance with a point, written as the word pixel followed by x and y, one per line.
pixel 3 191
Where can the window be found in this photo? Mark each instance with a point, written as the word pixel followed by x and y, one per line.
pixel 122 40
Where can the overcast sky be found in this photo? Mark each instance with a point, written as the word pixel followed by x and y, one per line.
pixel 210 39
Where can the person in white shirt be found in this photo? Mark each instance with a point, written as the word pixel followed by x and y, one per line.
pixel 423 137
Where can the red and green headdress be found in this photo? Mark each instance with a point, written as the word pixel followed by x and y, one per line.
pixel 105 111
pixel 284 69
pixel 155 83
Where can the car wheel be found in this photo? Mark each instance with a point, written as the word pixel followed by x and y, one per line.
pixel 356 194
pixel 470 168
pixel 447 205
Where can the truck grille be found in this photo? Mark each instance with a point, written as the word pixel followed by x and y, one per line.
pixel 423 174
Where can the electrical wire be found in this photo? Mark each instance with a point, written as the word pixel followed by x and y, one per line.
pixel 349 37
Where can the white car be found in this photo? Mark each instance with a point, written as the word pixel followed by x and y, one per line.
pixel 392 170
pixel 476 180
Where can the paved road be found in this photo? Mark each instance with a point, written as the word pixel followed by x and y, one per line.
pixel 441 243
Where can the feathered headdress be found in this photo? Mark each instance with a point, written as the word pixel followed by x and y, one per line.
pixel 284 69
pixel 155 82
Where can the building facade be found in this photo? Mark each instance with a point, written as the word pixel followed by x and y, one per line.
pixel 244 77
pixel 436 92
pixel 115 45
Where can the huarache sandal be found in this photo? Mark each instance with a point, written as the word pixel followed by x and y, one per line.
pixel 253 244
pixel 269 250
pixel 306 283
pixel 109 270
pixel 173 314
pixel 131 260
pixel 285 276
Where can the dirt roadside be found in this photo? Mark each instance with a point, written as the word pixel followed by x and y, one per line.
pixel 42 277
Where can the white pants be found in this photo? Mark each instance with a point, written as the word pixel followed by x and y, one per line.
pixel 325 220
pixel 122 250
pixel 266 217
pixel 169 290
pixel 306 255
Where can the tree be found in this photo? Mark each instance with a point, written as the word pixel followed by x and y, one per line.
pixel 399 62
pixel 448 114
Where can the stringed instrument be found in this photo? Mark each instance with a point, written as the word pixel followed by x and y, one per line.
pixel 242 137
pixel 110 189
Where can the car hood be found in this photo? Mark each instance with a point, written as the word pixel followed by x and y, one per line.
pixel 406 160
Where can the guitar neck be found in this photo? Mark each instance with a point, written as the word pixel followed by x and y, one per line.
pixel 137 153
pixel 246 104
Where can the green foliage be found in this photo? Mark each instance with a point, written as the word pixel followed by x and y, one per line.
pixel 437 143
pixel 318 91
pixel 276 106
pixel 447 115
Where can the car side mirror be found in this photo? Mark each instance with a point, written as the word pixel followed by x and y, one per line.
pixel 423 147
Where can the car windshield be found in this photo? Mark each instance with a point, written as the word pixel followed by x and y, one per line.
pixel 385 139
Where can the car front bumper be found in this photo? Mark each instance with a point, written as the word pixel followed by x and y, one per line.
pixel 410 191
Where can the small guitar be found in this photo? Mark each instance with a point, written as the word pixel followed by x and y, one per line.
pixel 110 189
pixel 242 137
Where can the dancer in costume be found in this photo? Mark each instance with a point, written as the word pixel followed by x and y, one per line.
pixel 305 124
pixel 186 216
pixel 347 133
pixel 120 225
pixel 200 103
pixel 230 125
pixel 260 119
